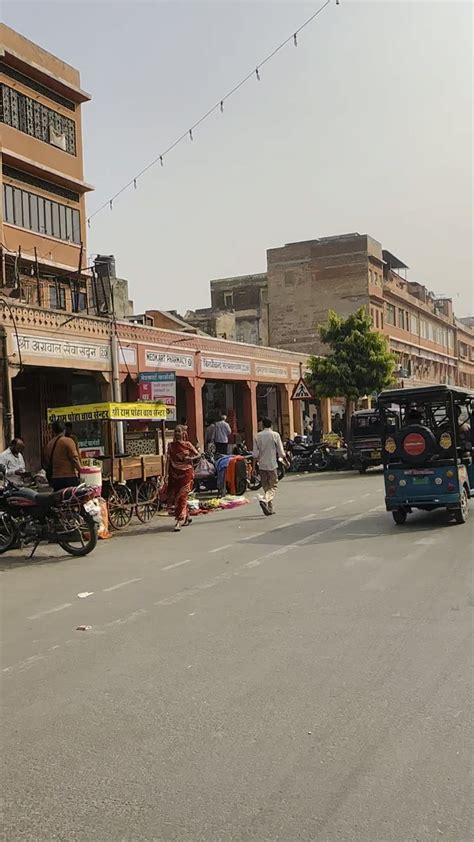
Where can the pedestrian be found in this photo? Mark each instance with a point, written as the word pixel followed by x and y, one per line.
pixel 209 436
pixel 221 435
pixel 316 430
pixel 61 459
pixel 267 449
pixel 13 462
pixel 70 435
pixel 180 475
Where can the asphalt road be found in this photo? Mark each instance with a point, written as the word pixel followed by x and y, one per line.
pixel 301 677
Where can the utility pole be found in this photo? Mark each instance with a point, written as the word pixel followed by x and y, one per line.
pixel 114 355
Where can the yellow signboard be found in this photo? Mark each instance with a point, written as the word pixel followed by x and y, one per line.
pixel 144 411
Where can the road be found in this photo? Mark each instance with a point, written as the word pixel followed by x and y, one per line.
pixel 299 677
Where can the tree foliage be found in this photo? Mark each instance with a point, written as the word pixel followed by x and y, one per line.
pixel 359 362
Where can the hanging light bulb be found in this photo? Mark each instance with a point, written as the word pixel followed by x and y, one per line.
pixel 295 40
pixel 191 134
pixel 110 204
pixel 135 183
pixel 161 160
pixel 257 73
pixel 222 106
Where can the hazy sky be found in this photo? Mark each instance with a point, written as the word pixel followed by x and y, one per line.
pixel 365 126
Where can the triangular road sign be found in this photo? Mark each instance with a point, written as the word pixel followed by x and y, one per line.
pixel 301 392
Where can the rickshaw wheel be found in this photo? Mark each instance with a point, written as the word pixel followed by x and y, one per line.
pixel 461 514
pixel 147 501
pixel 399 516
pixel 120 508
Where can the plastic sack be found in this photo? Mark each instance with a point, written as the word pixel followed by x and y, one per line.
pixel 97 508
pixel 204 468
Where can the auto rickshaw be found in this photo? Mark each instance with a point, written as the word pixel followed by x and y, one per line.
pixel 365 443
pixel 427 450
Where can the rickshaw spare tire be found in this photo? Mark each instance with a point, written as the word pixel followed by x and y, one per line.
pixel 416 443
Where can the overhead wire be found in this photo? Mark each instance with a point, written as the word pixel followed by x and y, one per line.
pixel 219 105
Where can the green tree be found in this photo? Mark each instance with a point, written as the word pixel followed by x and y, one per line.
pixel 358 363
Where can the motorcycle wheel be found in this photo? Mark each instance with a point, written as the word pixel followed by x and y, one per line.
pixel 7 533
pixel 85 534
pixel 322 465
pixel 280 471
pixel 254 482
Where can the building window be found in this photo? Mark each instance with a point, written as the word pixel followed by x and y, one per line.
pixel 390 314
pixel 79 302
pixel 377 318
pixel 57 297
pixel 228 299
pixel 463 349
pixel 37 214
pixel 413 324
pixel 371 279
pixel 31 117
pixel 402 320
pixel 424 329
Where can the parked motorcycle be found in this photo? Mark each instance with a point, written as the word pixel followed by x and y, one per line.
pixel 58 517
pixel 329 458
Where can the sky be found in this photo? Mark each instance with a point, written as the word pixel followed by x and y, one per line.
pixel 365 126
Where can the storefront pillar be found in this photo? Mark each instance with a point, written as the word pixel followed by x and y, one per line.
pixel 287 414
pixel 194 410
pixel 326 420
pixel 250 412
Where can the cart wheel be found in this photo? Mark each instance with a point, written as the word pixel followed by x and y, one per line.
pixel 120 506
pixel 147 501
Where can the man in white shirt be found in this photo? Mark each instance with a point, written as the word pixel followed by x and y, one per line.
pixel 222 432
pixel 267 449
pixel 13 463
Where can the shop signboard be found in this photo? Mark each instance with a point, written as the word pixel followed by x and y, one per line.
pixel 271 370
pixel 111 411
pixel 158 386
pixel 169 360
pixel 224 366
pixel 70 349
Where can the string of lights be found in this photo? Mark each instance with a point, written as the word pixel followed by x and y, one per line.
pixel 218 106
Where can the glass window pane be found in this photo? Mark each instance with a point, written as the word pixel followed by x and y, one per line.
pixel 26 210
pixel 8 205
pixel 68 224
pixel 41 220
pixel 48 220
pixel 62 222
pixel 33 212
pixel 17 207
pixel 76 227
pixel 55 211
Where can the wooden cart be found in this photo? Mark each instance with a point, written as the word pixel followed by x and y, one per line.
pixel 131 484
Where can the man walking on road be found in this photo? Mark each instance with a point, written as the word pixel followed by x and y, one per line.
pixel 267 449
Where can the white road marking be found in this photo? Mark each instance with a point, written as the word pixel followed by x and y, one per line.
pixel 329 509
pixel 346 502
pixel 120 585
pixel 426 542
pixel 176 564
pixel 284 525
pixel 249 537
pixel 367 495
pixel 195 590
pixel 50 611
pixel 309 517
pixel 220 549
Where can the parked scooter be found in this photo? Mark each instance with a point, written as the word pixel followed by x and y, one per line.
pixel 254 480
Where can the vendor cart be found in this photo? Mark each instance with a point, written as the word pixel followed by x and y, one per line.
pixel 130 481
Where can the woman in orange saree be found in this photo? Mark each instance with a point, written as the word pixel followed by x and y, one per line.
pixel 180 475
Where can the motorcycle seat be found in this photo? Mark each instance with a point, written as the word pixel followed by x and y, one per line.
pixel 39 498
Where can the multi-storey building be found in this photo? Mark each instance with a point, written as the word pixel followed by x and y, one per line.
pixel 238 310
pixel 43 224
pixel 307 279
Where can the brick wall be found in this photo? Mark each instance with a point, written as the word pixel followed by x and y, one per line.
pixel 307 279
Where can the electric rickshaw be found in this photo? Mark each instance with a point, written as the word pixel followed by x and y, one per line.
pixel 427 449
